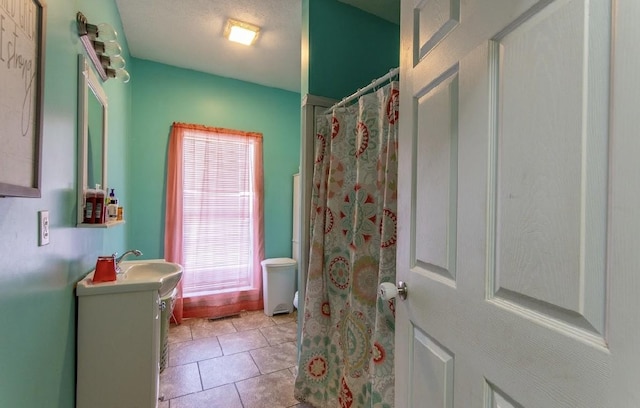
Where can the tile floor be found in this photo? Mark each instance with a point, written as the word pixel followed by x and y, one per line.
pixel 247 361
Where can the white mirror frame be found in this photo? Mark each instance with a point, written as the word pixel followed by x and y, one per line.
pixel 88 81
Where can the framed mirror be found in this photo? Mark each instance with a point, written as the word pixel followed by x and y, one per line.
pixel 92 134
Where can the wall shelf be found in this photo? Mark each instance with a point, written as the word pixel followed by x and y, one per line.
pixel 107 224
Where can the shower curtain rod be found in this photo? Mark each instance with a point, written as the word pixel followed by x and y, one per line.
pixel 364 90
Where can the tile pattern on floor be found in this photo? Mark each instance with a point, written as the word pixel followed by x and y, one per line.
pixel 247 361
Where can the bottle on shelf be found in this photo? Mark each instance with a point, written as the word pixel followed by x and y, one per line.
pixel 89 205
pixel 112 207
pixel 98 213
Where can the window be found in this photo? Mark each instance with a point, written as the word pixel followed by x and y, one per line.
pixel 214 218
pixel 219 195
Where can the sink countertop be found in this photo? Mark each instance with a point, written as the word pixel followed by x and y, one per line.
pixel 86 287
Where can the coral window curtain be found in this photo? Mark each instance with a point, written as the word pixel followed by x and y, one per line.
pixel 214 219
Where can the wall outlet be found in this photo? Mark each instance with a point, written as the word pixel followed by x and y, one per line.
pixel 43 229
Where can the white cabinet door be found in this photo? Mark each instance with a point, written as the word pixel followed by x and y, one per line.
pixel 519 204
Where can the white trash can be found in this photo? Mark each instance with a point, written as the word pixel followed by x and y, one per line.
pixel 278 285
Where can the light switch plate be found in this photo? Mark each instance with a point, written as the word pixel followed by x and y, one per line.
pixel 43 236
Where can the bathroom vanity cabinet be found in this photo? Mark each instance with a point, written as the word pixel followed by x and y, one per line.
pixel 118 345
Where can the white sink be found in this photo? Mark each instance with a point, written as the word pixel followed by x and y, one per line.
pixel 154 274
pixel 167 273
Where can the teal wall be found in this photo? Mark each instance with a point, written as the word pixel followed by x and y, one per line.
pixel 163 95
pixel 37 301
pixel 344 48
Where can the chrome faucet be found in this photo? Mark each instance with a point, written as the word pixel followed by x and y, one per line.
pixel 120 258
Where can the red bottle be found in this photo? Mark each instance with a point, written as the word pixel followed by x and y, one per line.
pixel 98 213
pixel 89 206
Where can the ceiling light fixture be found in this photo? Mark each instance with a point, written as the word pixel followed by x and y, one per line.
pixel 241 32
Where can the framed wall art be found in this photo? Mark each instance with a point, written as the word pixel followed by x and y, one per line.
pixel 21 96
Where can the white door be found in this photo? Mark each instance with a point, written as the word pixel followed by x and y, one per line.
pixel 519 204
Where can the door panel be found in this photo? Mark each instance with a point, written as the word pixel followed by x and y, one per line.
pixel 507 205
pixel 497 399
pixel 551 166
pixel 436 19
pixel 437 177
pixel 432 379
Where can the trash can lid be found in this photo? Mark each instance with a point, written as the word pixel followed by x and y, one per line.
pixel 279 262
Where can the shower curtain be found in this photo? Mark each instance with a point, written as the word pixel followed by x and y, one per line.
pixel 346 350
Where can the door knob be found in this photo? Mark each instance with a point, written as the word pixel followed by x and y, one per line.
pixel 388 290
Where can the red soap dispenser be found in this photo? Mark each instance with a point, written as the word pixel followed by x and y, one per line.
pixel 89 206
pixel 105 269
pixel 98 211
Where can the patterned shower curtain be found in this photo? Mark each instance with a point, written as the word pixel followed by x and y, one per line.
pixel 346 350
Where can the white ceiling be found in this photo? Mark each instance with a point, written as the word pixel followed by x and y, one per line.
pixel 188 34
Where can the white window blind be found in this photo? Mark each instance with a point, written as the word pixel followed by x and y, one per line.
pixel 218 202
